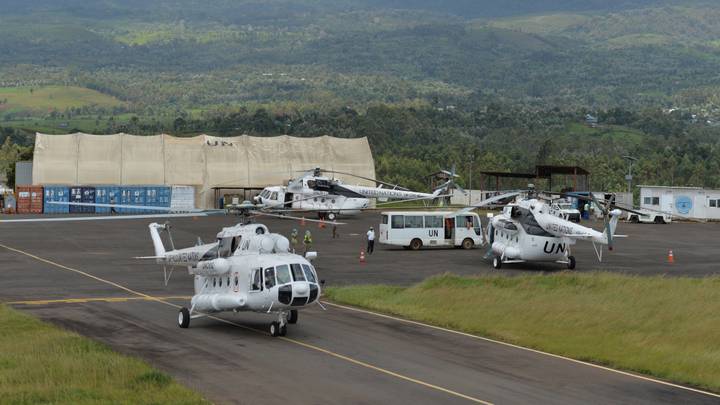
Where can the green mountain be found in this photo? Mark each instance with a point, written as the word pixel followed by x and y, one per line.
pixel 191 54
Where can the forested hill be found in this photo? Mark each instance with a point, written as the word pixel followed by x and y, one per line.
pixel 191 54
pixel 430 83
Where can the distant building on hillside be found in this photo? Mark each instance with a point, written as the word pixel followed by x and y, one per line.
pixel 591 120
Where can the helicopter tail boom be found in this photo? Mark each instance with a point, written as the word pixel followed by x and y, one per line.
pixel 157 241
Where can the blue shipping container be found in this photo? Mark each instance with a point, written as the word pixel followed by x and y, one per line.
pixel 157 196
pixel 132 195
pixel 107 195
pixel 82 195
pixel 56 194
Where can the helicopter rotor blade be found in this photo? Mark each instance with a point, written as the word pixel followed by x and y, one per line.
pixel 266 214
pixel 394 186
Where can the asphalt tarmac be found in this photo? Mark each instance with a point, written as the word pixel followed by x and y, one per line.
pixel 338 355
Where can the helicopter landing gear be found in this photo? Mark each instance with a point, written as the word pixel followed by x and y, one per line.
pixel 279 327
pixel 571 263
pixel 184 318
pixel 497 262
pixel 293 318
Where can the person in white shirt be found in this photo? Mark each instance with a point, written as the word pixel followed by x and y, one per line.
pixel 370 241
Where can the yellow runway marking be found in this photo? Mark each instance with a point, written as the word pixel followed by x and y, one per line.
pixel 147 297
pixel 86 300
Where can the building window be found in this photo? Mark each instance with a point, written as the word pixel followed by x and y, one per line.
pixel 651 200
pixel 713 203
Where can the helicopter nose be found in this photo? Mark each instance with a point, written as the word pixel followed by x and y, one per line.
pixel 301 289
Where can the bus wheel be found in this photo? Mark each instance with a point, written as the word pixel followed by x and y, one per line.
pixel 468 243
pixel 331 216
pixel 415 244
pixel 497 262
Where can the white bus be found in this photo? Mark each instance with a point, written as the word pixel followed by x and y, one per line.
pixel 414 229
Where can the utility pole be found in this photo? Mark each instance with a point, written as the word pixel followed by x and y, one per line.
pixel 629 177
pixel 470 164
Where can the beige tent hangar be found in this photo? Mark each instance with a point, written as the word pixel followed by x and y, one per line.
pixel 203 161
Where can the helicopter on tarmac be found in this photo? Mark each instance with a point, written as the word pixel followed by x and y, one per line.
pixel 532 229
pixel 247 268
pixel 330 197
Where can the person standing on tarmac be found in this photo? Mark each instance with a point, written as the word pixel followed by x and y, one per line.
pixel 335 232
pixel 307 241
pixel 294 239
pixel 370 240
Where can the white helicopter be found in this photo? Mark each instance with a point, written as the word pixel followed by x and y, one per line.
pixel 246 269
pixel 531 229
pixel 330 197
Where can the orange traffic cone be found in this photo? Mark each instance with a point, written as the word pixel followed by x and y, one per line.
pixel 321 225
pixel 362 257
pixel 671 258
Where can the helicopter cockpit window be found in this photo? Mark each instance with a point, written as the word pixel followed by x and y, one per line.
pixel 282 273
pixel 259 230
pixel 297 272
pixel 274 195
pixel 528 222
pixel 510 226
pixel 211 254
pixel 269 277
pixel 235 244
pixel 256 280
pixel 224 247
pixel 309 274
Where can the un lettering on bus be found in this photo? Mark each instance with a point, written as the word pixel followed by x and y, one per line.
pixel 433 233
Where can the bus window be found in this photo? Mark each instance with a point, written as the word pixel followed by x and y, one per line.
pixel 465 221
pixel 398 221
pixel 385 219
pixel 413 221
pixel 433 222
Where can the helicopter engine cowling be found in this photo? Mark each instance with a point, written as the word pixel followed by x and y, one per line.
pixel 211 268
pixel 511 252
pixel 218 302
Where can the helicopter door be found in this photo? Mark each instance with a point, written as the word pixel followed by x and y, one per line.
pixel 449 227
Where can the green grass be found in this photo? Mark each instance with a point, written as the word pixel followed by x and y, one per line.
pixel 664 327
pixel 46 98
pixel 43 364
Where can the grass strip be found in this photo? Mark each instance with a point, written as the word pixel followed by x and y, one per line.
pixel 664 327
pixel 40 363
